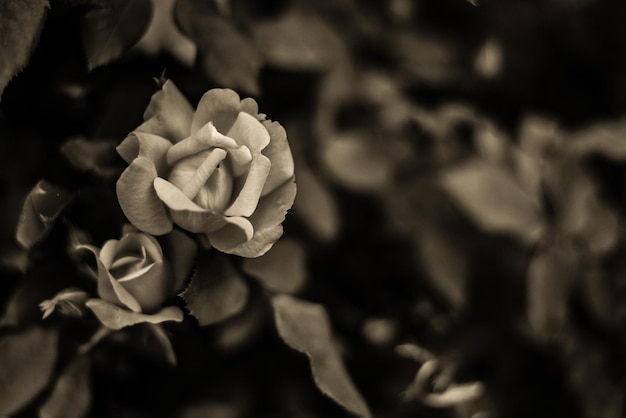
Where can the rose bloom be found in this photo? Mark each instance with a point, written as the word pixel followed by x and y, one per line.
pixel 134 278
pixel 223 171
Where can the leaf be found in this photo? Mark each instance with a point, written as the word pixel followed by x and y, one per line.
pixel 316 205
pixel 216 291
pixel 109 32
pixel 297 41
pixel 71 396
pixel 352 163
pixel 20 26
pixel 492 198
pixel 42 206
pixel 164 35
pixel 97 157
pixel 282 269
pixel 606 139
pixel 549 282
pixel 226 55
pixel 305 327
pixel 27 360
pixel 444 262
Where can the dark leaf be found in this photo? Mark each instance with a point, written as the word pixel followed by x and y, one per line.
pixel 216 291
pixel 493 199
pixel 226 55
pixel 27 360
pixel 316 205
pixel 109 32
pixel 97 157
pixel 444 262
pixel 20 26
pixel 281 269
pixel 297 41
pixel 163 35
pixel 41 208
pixel 305 327
pixel 549 282
pixel 71 396
pixel 353 163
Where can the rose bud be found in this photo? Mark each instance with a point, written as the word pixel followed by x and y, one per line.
pixel 222 170
pixel 134 279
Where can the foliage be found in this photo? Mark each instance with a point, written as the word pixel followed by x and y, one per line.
pixel 238 208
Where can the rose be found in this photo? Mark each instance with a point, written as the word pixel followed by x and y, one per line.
pixel 222 171
pixel 134 279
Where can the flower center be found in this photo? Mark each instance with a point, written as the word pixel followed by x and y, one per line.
pixel 205 178
pixel 128 263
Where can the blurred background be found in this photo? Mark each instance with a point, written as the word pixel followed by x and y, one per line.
pixel 461 173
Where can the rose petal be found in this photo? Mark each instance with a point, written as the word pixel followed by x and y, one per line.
pixel 128 229
pixel 146 145
pixel 267 220
pixel 137 241
pixel 238 231
pixel 168 114
pixel 250 106
pixel 186 213
pixel 220 106
pixel 112 291
pixel 279 154
pixel 248 198
pixel 240 159
pixel 115 318
pixel 138 199
pixel 107 253
pixel 205 138
pixel 248 131
pixel 151 287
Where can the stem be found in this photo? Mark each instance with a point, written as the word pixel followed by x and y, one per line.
pixel 95 339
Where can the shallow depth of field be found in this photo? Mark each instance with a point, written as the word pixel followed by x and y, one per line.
pixel 457 245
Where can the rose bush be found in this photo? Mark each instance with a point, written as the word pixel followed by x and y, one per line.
pixel 134 278
pixel 223 171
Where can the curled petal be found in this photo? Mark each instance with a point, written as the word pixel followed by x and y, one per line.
pixel 107 253
pixel 111 290
pixel 153 147
pixel 186 213
pixel 168 114
pixel 248 198
pixel 237 231
pixel 115 318
pixel 205 138
pixel 240 159
pixel 138 199
pixel 248 131
pixel 220 106
pixel 138 241
pixel 250 106
pixel 279 153
pixel 151 287
pixel 266 221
